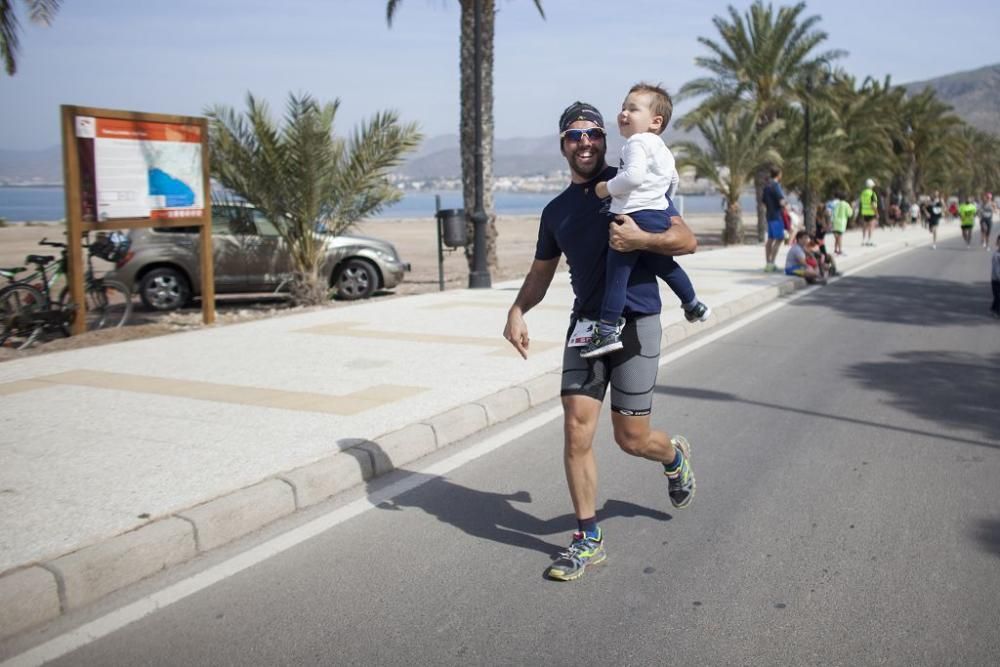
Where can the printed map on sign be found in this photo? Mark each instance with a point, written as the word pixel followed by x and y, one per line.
pixel 147 170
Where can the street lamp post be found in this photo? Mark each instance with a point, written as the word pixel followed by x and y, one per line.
pixel 480 274
pixel 806 210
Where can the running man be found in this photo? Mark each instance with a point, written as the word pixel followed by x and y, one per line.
pixel 987 211
pixel 935 211
pixel 967 215
pixel 573 224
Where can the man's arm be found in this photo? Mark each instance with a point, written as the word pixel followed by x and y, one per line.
pixel 532 291
pixel 627 236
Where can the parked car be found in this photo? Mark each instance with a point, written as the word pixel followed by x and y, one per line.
pixel 163 263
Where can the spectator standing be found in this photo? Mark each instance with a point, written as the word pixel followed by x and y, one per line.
pixel 842 212
pixel 774 202
pixel 868 208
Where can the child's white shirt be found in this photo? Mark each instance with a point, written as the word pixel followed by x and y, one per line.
pixel 647 175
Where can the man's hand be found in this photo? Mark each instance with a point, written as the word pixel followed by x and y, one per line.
pixel 516 331
pixel 601 190
pixel 625 236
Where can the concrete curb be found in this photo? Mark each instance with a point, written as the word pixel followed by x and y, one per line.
pixel 39 592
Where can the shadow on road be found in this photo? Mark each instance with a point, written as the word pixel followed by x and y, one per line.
pixel 494 516
pixel 958 393
pixel 924 302
pixel 956 390
pixel 987 533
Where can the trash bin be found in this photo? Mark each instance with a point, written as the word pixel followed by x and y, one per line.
pixel 452 222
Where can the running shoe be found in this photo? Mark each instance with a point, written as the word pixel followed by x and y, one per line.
pixel 600 345
pixel 583 551
pixel 699 312
pixel 680 483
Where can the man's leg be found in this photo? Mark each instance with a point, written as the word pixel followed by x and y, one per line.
pixel 633 380
pixel 580 416
pixel 584 382
pixel 635 437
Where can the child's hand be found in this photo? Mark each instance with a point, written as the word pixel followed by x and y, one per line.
pixel 601 189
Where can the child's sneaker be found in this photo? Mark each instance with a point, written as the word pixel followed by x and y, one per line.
pixel 699 312
pixel 600 345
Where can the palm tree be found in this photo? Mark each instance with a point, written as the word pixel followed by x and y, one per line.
pixel 925 123
pixel 864 113
pixel 759 61
pixel 467 130
pixel 39 11
pixel 737 146
pixel 303 177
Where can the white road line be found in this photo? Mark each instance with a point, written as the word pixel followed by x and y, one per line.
pixel 115 620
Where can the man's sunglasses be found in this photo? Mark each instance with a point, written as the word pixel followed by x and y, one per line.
pixel 592 133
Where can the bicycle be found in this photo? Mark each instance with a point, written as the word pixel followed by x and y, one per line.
pixel 27 308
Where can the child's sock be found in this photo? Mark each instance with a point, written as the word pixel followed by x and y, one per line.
pixel 690 304
pixel 605 328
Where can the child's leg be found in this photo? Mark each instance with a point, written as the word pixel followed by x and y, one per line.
pixel 669 271
pixel 618 270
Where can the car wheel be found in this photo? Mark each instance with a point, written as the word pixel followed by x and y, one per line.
pixel 356 279
pixel 164 289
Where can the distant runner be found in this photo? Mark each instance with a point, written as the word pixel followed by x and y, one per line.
pixel 935 211
pixel 987 212
pixel 967 213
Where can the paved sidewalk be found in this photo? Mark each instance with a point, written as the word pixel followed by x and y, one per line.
pixel 118 461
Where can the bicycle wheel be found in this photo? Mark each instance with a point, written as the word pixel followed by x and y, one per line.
pixel 19 304
pixel 109 304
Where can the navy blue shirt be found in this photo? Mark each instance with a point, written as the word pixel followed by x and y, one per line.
pixel 575 223
pixel 772 196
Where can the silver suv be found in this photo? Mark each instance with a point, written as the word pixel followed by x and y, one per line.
pixel 163 263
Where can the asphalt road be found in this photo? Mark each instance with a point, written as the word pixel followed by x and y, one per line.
pixel 847 450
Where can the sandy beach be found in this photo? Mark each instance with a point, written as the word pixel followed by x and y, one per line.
pixel 414 238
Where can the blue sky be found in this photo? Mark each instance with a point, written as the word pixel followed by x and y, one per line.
pixel 181 56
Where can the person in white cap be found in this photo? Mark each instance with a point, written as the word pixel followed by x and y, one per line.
pixel 868 209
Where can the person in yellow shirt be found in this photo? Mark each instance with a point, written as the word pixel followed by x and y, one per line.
pixel 967 213
pixel 868 209
pixel 842 212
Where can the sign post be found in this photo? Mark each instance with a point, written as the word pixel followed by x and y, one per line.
pixel 132 170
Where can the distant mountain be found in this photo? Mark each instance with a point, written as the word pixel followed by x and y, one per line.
pixel 26 167
pixel 975 95
pixel 522 156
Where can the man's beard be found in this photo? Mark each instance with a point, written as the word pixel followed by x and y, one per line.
pixel 585 172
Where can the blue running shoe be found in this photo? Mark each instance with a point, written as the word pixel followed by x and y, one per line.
pixel 583 551
pixel 680 482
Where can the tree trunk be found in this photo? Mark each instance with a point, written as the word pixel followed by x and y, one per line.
pixel 733 233
pixel 909 180
pixel 760 181
pixel 809 216
pixel 467 131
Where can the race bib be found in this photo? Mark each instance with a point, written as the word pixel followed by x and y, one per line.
pixel 584 331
